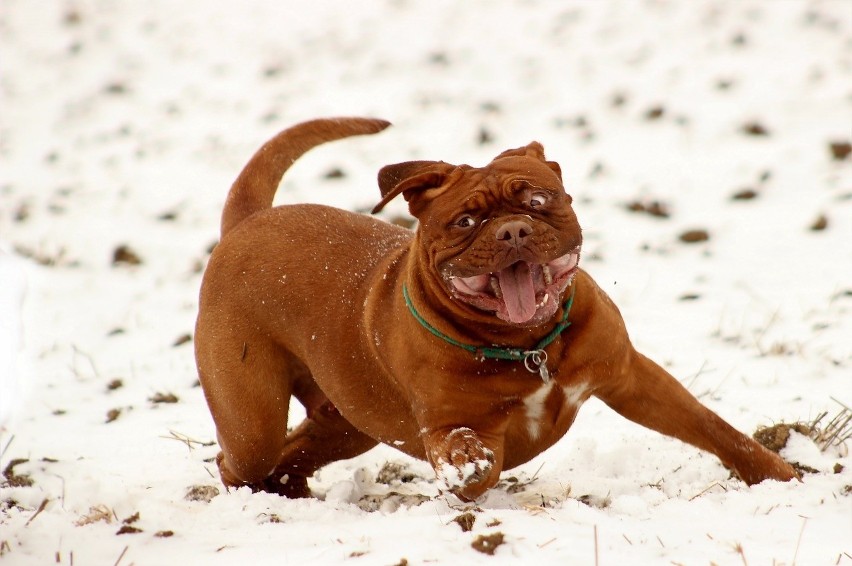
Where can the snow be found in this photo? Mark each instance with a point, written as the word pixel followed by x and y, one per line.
pixel 124 123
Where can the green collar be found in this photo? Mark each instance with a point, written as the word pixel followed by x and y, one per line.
pixel 535 360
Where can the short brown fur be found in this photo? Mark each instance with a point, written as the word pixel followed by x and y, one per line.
pixel 306 301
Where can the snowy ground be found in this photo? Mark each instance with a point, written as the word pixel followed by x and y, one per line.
pixel 124 123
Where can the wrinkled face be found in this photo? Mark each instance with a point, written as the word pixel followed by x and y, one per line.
pixel 502 238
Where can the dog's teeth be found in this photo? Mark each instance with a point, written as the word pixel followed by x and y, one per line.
pixel 495 286
pixel 548 277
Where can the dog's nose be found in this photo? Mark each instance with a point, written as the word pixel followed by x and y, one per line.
pixel 514 232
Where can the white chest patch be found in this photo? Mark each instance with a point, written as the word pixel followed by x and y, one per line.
pixel 576 394
pixel 534 404
pixel 534 408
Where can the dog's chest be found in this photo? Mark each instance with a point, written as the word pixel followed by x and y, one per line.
pixel 549 409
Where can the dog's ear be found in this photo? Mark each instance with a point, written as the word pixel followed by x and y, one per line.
pixel 535 150
pixel 410 178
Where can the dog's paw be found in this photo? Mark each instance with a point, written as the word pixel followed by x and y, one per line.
pixel 464 464
pixel 765 465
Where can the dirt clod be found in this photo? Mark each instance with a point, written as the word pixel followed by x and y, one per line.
pixel 755 129
pixel 655 113
pixel 164 534
pixel 465 521
pixel 163 398
pixel 13 479
pixel 123 255
pixel 335 173
pixel 775 437
pixel 820 224
pixel 487 544
pixel 746 193
pixel 485 136
pixel 203 493
pixel 653 208
pixel 393 500
pixel 694 236
pixel 840 150
pixel 394 472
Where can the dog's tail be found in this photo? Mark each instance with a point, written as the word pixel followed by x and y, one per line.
pixel 255 188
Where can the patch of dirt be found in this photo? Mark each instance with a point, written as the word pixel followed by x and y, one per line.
pixel 335 173
pixel 128 530
pixel 694 236
pixel 269 518
pixel 819 224
pixel 394 472
pixel 840 150
pixel 487 544
pixel 655 112
pixel 10 503
pixel 755 129
pixel 203 493
pixel 465 521
pixel 13 479
pixel 653 208
pixel 164 398
pixel 745 194
pixel 391 501
pixel 124 255
pixel 775 437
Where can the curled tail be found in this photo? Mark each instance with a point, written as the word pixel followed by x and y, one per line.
pixel 255 188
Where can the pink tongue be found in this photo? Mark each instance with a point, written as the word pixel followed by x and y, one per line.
pixel 516 286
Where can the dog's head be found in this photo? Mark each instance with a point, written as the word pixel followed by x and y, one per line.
pixel 503 238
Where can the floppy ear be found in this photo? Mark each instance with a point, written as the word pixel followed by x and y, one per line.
pixel 410 178
pixel 535 150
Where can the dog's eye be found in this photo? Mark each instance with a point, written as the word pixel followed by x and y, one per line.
pixel 537 200
pixel 466 221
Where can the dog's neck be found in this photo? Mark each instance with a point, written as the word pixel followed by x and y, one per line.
pixel 534 359
pixel 430 298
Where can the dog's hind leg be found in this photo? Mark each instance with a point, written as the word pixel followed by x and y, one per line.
pixel 324 436
pixel 248 381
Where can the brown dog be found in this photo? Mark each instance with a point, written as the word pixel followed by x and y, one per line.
pixel 470 342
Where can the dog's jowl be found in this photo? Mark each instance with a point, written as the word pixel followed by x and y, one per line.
pixel 470 342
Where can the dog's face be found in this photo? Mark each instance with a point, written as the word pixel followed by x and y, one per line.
pixel 503 238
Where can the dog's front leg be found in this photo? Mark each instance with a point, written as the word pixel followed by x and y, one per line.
pixel 466 462
pixel 645 393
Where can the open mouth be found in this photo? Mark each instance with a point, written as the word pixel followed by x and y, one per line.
pixel 523 293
